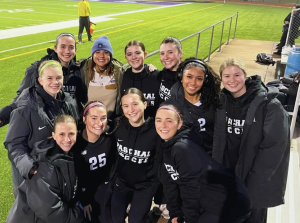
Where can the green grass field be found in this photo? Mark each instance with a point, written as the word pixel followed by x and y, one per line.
pixel 151 27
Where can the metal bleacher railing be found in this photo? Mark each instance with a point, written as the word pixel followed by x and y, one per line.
pixel 221 25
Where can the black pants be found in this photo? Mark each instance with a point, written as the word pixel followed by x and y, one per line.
pixel 84 22
pixel 257 216
pixel 140 201
pixel 98 205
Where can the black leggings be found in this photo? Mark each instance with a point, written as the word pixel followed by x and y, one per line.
pixel 140 201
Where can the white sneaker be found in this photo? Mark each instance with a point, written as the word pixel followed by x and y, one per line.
pixel 164 211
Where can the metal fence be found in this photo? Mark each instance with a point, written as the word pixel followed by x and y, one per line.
pixel 292 28
pixel 219 28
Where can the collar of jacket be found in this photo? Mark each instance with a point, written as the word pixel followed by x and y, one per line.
pixel 48 150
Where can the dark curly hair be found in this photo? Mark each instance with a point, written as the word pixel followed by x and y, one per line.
pixel 210 91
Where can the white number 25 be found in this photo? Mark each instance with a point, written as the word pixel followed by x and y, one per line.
pixel 101 160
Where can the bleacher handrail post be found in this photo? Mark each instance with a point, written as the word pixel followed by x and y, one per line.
pixel 197 47
pixel 236 20
pixel 221 38
pixel 211 41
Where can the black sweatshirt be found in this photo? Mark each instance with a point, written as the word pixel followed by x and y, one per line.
pixel 137 149
pixel 236 111
pixel 148 83
pixel 202 121
pixel 168 78
pixel 93 163
pixel 192 181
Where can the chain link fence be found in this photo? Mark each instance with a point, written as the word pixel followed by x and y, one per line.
pixel 293 28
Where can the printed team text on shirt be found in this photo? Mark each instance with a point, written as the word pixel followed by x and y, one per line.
pixel 134 155
pixel 235 126
pixel 174 174
pixel 150 98
pixel 164 92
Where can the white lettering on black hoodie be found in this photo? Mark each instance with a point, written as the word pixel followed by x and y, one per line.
pixel 193 181
pixel 236 111
pixel 136 147
pixel 168 78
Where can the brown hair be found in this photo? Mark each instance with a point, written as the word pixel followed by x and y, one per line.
pixel 62 35
pixel 135 43
pixel 133 90
pixel 92 65
pixel 173 40
pixel 90 102
pixel 63 119
pixel 126 92
pixel 179 118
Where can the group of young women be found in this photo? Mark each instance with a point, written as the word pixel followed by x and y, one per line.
pixel 213 151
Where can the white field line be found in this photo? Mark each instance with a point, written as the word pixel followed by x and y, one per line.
pixel 75 35
pixel 68 7
pixel 23 19
pixel 9 33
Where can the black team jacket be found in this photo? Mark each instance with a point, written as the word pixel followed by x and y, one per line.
pixel 73 84
pixel 264 148
pixel 33 121
pixel 49 196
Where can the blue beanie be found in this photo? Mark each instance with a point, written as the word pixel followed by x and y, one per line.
pixel 102 43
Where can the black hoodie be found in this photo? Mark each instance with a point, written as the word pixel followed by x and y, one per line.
pixel 168 78
pixel 148 83
pixel 193 181
pixel 73 84
pixel 236 111
pixel 137 150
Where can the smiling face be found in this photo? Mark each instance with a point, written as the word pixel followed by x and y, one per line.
pixel 135 56
pixel 233 79
pixel 192 81
pixel 95 121
pixel 170 56
pixel 133 109
pixel 51 80
pixel 167 123
pixel 65 135
pixel 65 49
pixel 101 58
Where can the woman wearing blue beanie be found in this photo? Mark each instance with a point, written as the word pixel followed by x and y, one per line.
pixel 103 75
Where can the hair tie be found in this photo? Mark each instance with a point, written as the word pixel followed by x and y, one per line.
pixel 92 105
pixel 48 64
pixel 170 108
